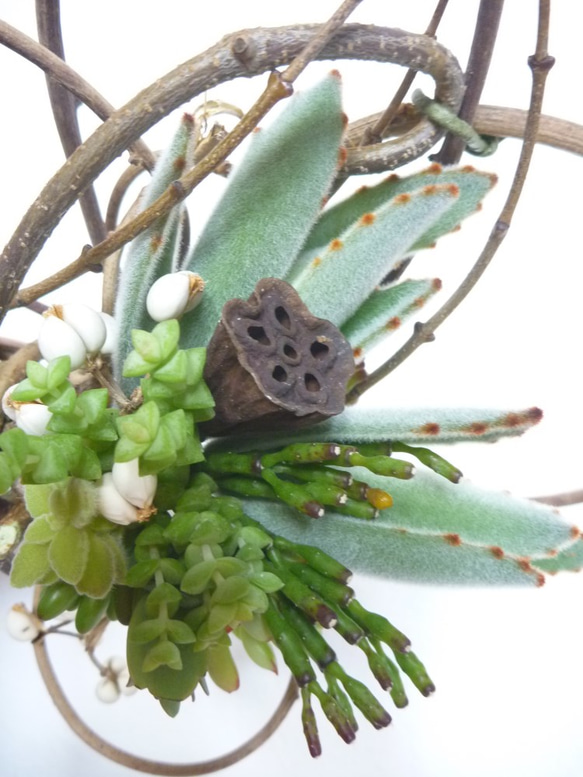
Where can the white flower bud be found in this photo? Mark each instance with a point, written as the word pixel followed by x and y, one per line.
pixel 138 490
pixel 56 338
pixel 112 505
pixel 22 624
pixel 86 322
pixel 111 333
pixel 107 690
pixel 32 417
pixel 8 407
pixel 174 294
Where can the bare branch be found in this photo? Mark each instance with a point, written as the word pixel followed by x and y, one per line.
pixel 481 52
pixel 561 500
pixel 540 64
pixel 64 107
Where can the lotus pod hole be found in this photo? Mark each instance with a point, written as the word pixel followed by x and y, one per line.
pixel 271 360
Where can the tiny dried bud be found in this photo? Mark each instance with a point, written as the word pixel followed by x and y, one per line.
pixel 107 690
pixel 174 294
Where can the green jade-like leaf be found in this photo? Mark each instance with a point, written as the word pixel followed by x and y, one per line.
pixel 384 312
pixel 163 682
pixel 152 253
pixel 436 532
pixel 473 185
pixel 268 209
pixel 346 272
pixel 415 426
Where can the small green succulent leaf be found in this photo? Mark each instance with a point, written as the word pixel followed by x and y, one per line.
pixel 36 498
pixel 30 565
pixel 163 682
pixel 14 443
pixel 99 573
pixel 259 651
pixel 345 273
pixel 39 531
pixel 415 426
pixel 384 312
pixel 69 554
pixel 568 559
pixel 222 669
pixel 272 200
pixel 473 185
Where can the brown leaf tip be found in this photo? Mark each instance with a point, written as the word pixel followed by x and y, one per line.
pixel 188 118
pixel 452 539
pixel 335 245
pixel 393 323
pixel 402 199
pixel 497 551
pixel 367 219
pixel 336 74
pixel 477 428
pixel 434 169
pixel 436 284
pixel 430 428
pixel 534 414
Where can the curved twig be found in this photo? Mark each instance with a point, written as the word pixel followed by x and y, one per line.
pixel 375 133
pixel 540 64
pixel 561 500
pixel 243 54
pixel 144 764
pixel 502 122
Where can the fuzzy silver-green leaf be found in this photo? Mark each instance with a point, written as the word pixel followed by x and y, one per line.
pixel 270 204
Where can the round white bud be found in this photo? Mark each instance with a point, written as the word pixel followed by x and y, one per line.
pixel 139 490
pixel 174 294
pixel 57 338
pixel 86 322
pixel 112 505
pixel 22 624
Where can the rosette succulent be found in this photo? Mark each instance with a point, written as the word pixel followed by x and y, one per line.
pixel 225 491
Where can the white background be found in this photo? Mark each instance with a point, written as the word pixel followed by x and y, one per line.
pixel 506 662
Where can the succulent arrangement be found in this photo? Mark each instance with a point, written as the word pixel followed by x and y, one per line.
pixel 197 467
pixel 214 487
